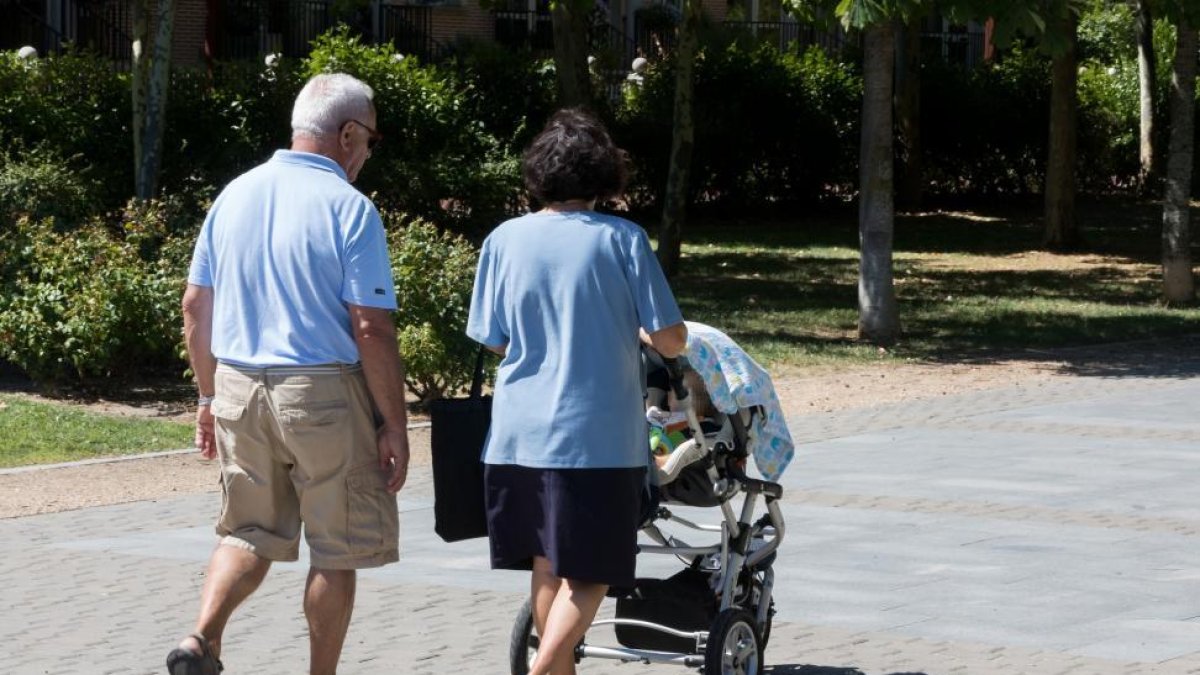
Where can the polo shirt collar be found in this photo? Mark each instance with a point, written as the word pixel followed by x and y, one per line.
pixel 309 159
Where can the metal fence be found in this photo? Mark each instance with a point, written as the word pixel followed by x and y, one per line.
pixel 99 26
pixel 789 34
pixel 251 28
pixel 409 28
pixel 525 29
pixel 956 48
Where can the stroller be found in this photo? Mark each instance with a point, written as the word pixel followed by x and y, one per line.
pixel 715 614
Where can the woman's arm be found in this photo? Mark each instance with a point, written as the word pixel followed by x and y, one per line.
pixel 670 341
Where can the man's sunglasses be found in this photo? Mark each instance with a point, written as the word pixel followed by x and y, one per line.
pixel 373 139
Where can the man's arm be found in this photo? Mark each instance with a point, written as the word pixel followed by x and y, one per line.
pixel 375 335
pixel 197 333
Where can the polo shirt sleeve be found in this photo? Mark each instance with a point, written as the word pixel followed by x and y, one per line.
pixel 484 324
pixel 200 272
pixel 367 269
pixel 656 307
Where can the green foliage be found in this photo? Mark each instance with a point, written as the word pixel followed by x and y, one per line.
pixel 1107 33
pixel 73 105
pixel 40 184
pixel 984 130
pixel 788 134
pixel 510 92
pixel 91 302
pixel 437 161
pixel 433 272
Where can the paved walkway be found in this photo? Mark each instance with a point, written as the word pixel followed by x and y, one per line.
pixel 1041 530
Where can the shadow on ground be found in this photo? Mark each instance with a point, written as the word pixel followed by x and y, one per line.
pixel 821 670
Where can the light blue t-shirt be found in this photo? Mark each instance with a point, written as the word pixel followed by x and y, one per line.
pixel 567 293
pixel 285 247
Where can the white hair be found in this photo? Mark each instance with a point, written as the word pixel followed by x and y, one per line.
pixel 327 102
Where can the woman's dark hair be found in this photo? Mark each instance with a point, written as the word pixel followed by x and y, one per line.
pixel 574 158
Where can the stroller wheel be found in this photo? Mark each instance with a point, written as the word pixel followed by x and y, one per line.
pixel 733 645
pixel 523 645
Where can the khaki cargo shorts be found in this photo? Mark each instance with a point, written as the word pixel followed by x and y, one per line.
pixel 297 445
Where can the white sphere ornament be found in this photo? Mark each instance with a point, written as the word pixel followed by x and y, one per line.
pixel 271 60
pixel 640 64
pixel 591 60
pixel 397 57
pixel 1112 70
pixel 27 52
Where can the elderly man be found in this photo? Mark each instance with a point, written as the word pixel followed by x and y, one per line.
pixel 287 317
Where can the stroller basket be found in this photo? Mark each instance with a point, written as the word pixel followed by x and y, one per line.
pixel 684 602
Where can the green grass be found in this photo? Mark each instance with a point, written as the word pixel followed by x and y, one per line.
pixel 42 433
pixel 968 285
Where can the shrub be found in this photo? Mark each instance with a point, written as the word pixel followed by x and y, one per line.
pixel 87 304
pixel 510 92
pixel 985 130
pixel 40 184
pixel 790 131
pixel 437 161
pixel 72 105
pixel 433 272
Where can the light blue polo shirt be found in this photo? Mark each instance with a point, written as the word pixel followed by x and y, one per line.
pixel 567 294
pixel 285 247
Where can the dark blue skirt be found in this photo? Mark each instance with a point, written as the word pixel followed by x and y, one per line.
pixel 585 521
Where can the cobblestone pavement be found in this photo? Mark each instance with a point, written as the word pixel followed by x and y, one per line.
pixel 1025 530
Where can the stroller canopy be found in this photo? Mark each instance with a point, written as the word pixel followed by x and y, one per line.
pixel 735 381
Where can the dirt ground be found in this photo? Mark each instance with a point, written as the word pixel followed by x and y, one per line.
pixel 813 390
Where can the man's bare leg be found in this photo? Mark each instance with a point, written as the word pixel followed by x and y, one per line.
pixel 328 604
pixel 233 574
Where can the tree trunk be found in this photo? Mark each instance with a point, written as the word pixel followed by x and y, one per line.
pixel 1178 285
pixel 908 113
pixel 1062 229
pixel 149 84
pixel 1146 80
pixel 878 320
pixel 569 23
pixel 670 234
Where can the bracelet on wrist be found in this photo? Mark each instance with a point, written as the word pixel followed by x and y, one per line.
pixel 205 400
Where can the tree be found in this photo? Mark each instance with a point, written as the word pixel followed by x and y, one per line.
pixel 1062 227
pixel 569 22
pixel 1147 76
pixel 1053 24
pixel 149 82
pixel 1178 284
pixel 675 200
pixel 878 314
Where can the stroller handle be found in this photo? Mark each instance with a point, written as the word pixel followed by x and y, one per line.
pixel 675 371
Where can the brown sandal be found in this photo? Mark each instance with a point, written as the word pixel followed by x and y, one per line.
pixel 187 662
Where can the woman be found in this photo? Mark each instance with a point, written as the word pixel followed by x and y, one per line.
pixel 563 295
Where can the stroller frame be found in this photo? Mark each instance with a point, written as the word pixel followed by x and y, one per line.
pixel 737 637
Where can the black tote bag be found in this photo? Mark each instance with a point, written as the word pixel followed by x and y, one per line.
pixel 459 427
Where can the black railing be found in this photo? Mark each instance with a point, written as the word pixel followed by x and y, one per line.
pixel 409 28
pixel 516 28
pixel 956 48
pixel 652 38
pixel 789 34
pixel 102 27
pixel 252 28
pixel 99 26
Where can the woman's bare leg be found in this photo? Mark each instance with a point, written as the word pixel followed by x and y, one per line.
pixel 570 616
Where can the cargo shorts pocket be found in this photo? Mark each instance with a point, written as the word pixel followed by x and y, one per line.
pixel 230 411
pixel 315 415
pixel 372 521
